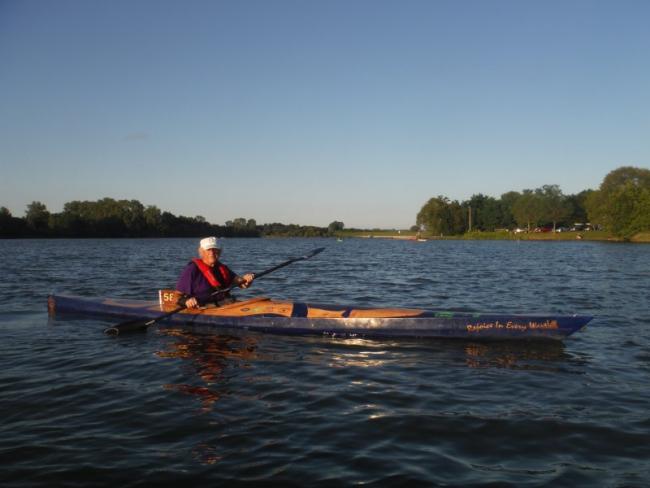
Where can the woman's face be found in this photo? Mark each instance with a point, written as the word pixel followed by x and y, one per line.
pixel 209 256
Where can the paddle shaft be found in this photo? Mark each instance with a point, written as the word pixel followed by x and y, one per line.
pixel 257 275
pixel 142 324
pixel 164 316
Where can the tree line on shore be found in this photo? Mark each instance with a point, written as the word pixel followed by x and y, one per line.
pixel 108 217
pixel 621 206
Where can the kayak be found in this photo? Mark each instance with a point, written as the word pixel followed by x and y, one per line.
pixel 296 318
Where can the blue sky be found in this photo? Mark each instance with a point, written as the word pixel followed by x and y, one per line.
pixel 312 111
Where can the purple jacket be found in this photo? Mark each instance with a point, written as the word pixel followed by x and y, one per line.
pixel 194 284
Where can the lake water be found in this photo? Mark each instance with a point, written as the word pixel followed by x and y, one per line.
pixel 166 407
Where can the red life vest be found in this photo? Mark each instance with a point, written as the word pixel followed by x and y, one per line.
pixel 206 271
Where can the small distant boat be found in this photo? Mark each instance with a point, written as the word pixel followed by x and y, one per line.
pixel 296 318
pixel 338 239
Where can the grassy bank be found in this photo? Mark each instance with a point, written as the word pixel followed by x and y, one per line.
pixel 541 236
pixel 499 235
pixel 641 237
pixel 404 234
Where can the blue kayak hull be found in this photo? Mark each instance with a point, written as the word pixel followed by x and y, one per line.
pixel 265 315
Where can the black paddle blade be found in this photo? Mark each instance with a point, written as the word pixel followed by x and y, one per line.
pixel 313 253
pixel 310 254
pixel 137 325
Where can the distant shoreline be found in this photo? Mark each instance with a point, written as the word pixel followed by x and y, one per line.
pixel 600 236
pixel 591 236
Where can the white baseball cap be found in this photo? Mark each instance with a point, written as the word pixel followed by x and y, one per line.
pixel 210 243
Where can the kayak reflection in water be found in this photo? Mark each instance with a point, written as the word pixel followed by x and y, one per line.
pixel 202 277
pixel 211 356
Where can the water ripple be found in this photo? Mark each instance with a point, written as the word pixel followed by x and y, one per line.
pixel 245 409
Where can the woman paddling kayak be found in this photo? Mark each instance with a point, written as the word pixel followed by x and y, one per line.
pixel 202 277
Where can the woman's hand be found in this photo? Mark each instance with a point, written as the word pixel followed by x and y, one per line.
pixel 246 280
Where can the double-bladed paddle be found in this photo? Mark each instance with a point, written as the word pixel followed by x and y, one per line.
pixel 141 325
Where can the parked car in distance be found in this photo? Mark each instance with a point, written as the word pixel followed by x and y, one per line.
pixel 580 227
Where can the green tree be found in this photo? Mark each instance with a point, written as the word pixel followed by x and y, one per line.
pixel 640 215
pixel 527 209
pixel 578 207
pixel 431 214
pixel 238 223
pixel 486 212
pixel 335 227
pixel 5 221
pixel 152 219
pixel 554 204
pixel 132 214
pixel 619 204
pixel 638 177
pixel 67 224
pixel 37 217
pixel 440 216
pixel 458 218
pixel 5 214
pixel 10 226
pixel 628 210
pixel 507 202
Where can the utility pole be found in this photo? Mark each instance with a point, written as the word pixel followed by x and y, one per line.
pixel 469 211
